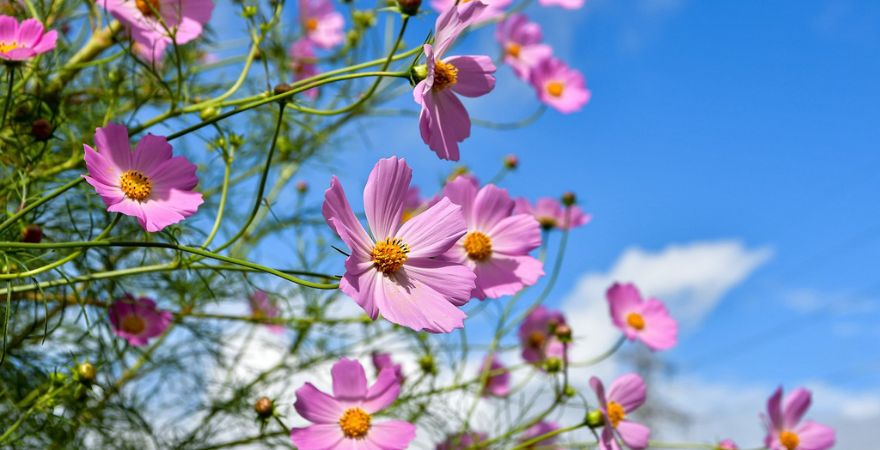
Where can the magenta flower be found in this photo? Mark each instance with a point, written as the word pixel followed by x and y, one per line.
pixel 138 320
pixel 645 320
pixel 520 41
pixel 727 444
pixel 383 360
pixel 321 23
pixel 462 441
pixel 395 271
pixel 497 244
pixel 148 184
pixel 443 121
pixel 539 429
pixel 345 419
pixel 19 42
pixel 536 335
pixel 302 62
pixel 498 384
pixel 551 214
pixel 263 308
pixel 626 394
pixel 567 4
pixel 559 86
pixel 153 24
pixel 494 8
pixel 785 431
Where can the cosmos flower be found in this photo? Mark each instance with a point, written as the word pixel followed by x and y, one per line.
pixel 625 395
pixel 443 121
pixel 148 184
pixel 395 271
pixel 520 40
pixel 536 335
pixel 645 320
pixel 263 308
pixel 302 63
pixel 321 24
pixel 153 24
pixel 494 8
pixel 539 429
pixel 785 431
pixel 382 360
pixel 497 243
pixel 138 320
pixel 461 441
pixel 559 86
pixel 551 214
pixel 727 444
pixel 498 384
pixel 567 4
pixel 19 42
pixel 344 420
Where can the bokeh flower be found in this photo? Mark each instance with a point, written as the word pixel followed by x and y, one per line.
pixel 786 431
pixel 153 24
pixel 625 395
pixel 345 419
pixel 302 63
pixel 520 40
pixel 550 213
pixel 539 429
pixel 645 320
pixel 263 308
pixel 148 184
pixel 462 441
pixel 395 271
pixel 498 381
pixel 138 320
pixel 559 86
pixel 21 41
pixel 537 337
pixel 497 243
pixel 727 444
pixel 321 23
pixel 443 121
pixel 381 360
pixel 494 8
pixel 567 4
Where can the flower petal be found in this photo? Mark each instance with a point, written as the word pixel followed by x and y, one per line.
pixel 774 410
pixel 384 196
pixel 317 406
pixel 392 434
pixel 795 406
pixel 432 232
pixel 383 392
pixel 623 298
pixel 112 141
pixel 629 391
pixel 150 152
pixel 8 28
pixel 634 435
pixel 415 305
pixel 475 75
pixel 340 217
pixel 814 436
pixel 317 437
pixel 491 205
pixel 349 380
pixel 462 191
pixel 661 330
pixel 516 235
pixel 599 389
pixel 453 280
pixel 506 275
pixel 29 33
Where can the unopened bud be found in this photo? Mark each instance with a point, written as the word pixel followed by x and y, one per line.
pixel 563 332
pixel 281 88
pixel 552 365
pixel 569 198
pixel 208 113
pixel 32 233
pixel 409 7
pixel 570 391
pixel 302 187
pixel 264 407
pixel 595 419
pixel 511 162
pixel 86 372
pixel 41 130
pixel 427 364
pixel 249 11
pixel 456 172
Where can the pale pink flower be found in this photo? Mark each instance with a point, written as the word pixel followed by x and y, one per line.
pixel 396 271
pixel 645 320
pixel 321 23
pixel 567 4
pixel 537 337
pixel 382 360
pixel 497 243
pixel 138 320
pixel 498 381
pixel 727 444
pixel 19 42
pixel 443 121
pixel 785 431
pixel 520 40
pixel 539 429
pixel 263 308
pixel 550 213
pixel 625 395
pixel 345 420
pixel 559 86
pixel 302 62
pixel 462 441
pixel 148 184
pixel 494 8
pixel 153 24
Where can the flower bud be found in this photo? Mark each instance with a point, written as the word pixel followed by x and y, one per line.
pixel 208 113
pixel 86 372
pixel 511 162
pixel 302 187
pixel 569 198
pixel 595 419
pixel 57 378
pixel 32 233
pixel 563 332
pixel 456 172
pixel 428 364
pixel 552 365
pixel 249 11
pixel 409 7
pixel 570 391
pixel 41 130
pixel 264 407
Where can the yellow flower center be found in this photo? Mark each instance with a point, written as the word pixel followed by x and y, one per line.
pixel 547 222
pixel 135 185
pixel 147 7
pixel 789 440
pixel 445 75
pixel 355 423
pixel 407 214
pixel 389 255
pixel 636 321
pixel 555 88
pixel 6 47
pixel 615 413
pixel 311 24
pixel 133 324
pixel 513 49
pixel 478 246
pixel 536 339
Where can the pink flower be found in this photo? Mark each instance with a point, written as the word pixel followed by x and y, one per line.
pixel 414 204
pixel 138 320
pixel 498 384
pixel 154 24
pixel 263 308
pixel 461 441
pixel 345 419
pixel 520 41
pixel 494 8
pixel 302 62
pixel 321 23
pixel 551 214
pixel 567 4
pixel 785 431
pixel 395 271
pixel 443 121
pixel 383 360
pixel 19 42
pixel 727 444
pixel 148 184
pixel 626 394
pixel 645 320
pixel 559 86
pixel 497 244
pixel 539 429
pixel 536 335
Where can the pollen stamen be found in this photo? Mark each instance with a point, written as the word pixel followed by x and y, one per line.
pixel 478 246
pixel 445 75
pixel 135 185
pixel 6 47
pixel 147 7
pixel 513 49
pixel 389 255
pixel 789 440
pixel 636 321
pixel 355 423
pixel 311 24
pixel 133 324
pixel 555 88
pixel 616 414
pixel 536 339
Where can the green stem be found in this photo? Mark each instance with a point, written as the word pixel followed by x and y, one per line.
pixel 58 191
pixel 10 81
pixel 531 442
